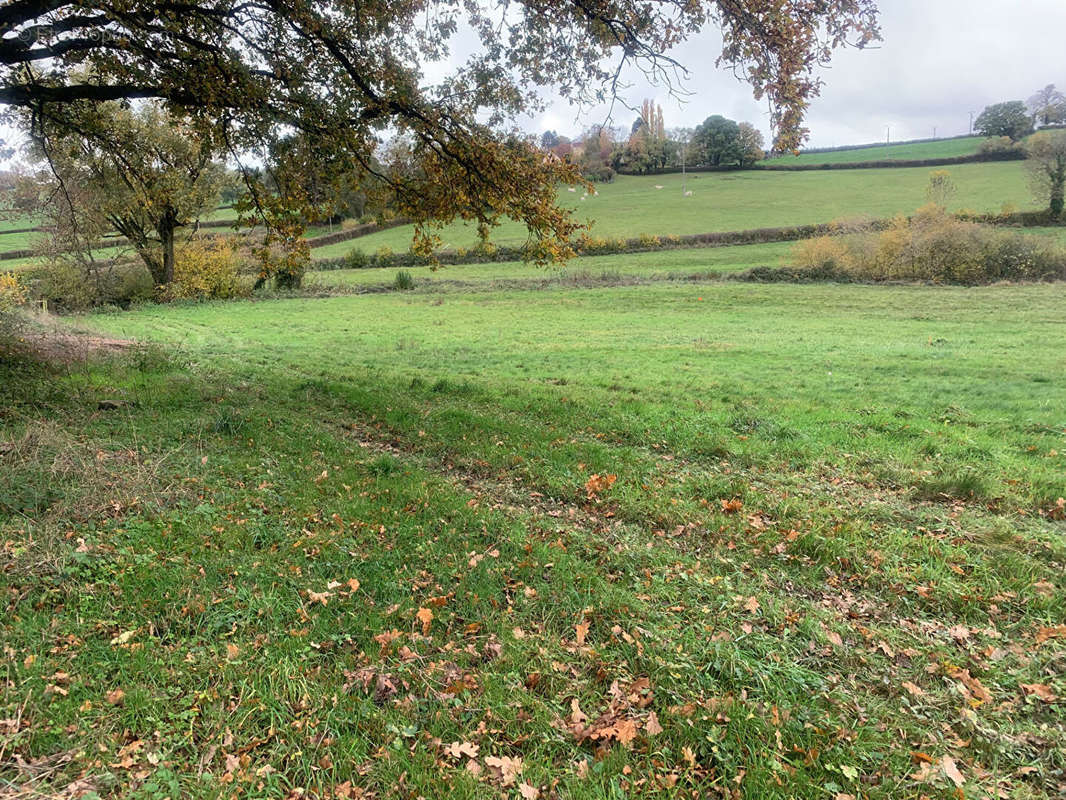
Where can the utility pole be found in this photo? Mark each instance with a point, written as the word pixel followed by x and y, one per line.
pixel 934 131
pixel 888 134
pixel 971 123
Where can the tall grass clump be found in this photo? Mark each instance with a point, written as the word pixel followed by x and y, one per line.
pixel 403 281
pixel 934 246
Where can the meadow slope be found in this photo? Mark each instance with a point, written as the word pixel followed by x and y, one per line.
pixel 632 205
pixel 679 540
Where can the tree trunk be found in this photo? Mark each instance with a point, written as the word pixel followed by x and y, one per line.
pixel 167 225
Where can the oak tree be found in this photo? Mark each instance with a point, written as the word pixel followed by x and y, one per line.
pixel 139 172
pixel 345 72
pixel 1005 119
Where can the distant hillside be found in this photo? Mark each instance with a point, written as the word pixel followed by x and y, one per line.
pixel 899 151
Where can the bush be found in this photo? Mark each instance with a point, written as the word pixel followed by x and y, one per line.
pixel 403 281
pixel 356 259
pixel 998 145
pixel 600 174
pixel 937 247
pixel 70 285
pixel 825 252
pixel 12 295
pixel 206 269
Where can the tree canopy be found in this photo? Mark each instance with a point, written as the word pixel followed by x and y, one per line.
pixel 344 72
pixel 139 173
pixel 1005 119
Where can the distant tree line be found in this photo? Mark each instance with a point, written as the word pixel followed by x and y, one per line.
pixel 1016 119
pixel 648 146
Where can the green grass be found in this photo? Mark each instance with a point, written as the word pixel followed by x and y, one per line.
pixel 743 200
pixel 664 264
pixel 904 151
pixel 18 241
pixel 882 583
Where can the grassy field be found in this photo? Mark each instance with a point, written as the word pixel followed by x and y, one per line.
pixel 678 540
pixel 666 264
pixel 904 151
pixel 743 200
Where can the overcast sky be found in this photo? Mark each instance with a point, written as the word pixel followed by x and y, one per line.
pixel 940 60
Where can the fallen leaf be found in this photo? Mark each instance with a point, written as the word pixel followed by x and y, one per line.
pixel 947 763
pixel 914 689
pixel 115 697
pixel 124 637
pixel 752 604
pixel 528 792
pixel 652 726
pixel 232 651
pixel 458 750
pixel 425 616
pixel 732 506
pixel 1044 588
pixel 582 629
pixel 508 769
pixel 1041 691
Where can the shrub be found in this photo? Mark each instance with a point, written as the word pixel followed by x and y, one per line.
pixel 600 174
pixel 12 295
pixel 206 269
pixel 998 145
pixel 932 246
pixel 68 285
pixel 384 253
pixel 403 281
pixel 356 259
pixel 825 252
pixel 12 292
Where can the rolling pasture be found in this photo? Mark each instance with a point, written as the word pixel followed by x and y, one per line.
pixel 730 201
pixel 904 151
pixel 621 529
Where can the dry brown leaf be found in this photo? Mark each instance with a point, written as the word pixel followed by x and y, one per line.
pixel 528 792
pixel 652 726
pixel 459 750
pixel 425 616
pixel 116 697
pixel 582 630
pixel 1041 691
pixel 947 763
pixel 506 769
pixel 914 689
